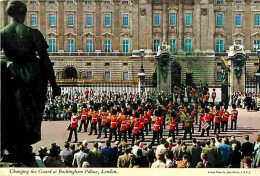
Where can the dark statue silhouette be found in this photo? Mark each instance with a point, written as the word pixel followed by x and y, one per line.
pixel 24 79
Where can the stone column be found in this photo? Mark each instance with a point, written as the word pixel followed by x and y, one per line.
pixel 61 24
pixel 181 25
pixel 197 24
pixel 117 25
pixel 79 25
pixel 165 21
pixel 149 26
pixel 42 15
pixel 228 22
pixel 3 15
pixel 248 25
pixel 98 16
pixel 210 42
pixel 135 24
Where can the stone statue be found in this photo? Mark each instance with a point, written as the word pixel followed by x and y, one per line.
pixel 24 86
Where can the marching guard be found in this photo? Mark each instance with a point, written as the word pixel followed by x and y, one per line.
pixel 225 117
pixel 217 119
pixel 83 119
pixel 234 114
pixel 73 127
pixel 156 130
pixel 206 124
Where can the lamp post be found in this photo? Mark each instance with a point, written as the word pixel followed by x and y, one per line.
pixel 141 74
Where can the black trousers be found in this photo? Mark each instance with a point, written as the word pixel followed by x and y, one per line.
pixel 161 131
pixel 113 131
pixel 172 134
pixel 199 126
pixel 83 122
pixel 224 125
pixel 124 135
pixel 177 129
pixel 150 126
pixel 186 131
pixel 217 127
pixel 233 123
pixel 100 131
pixel 88 122
pixel 70 135
pixel 142 134
pixel 129 131
pixel 211 122
pixel 146 129
pixel 135 137
pixel 196 118
pixel 93 127
pixel 155 136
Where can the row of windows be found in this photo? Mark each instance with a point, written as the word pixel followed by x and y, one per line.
pixel 156 43
pixel 125 19
pixel 89 46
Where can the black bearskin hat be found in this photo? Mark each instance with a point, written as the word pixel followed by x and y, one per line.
pixel 234 106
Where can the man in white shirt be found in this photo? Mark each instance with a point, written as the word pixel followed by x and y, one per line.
pixel 158 163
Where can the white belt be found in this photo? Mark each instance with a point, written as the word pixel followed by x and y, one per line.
pixel 135 127
pixel 113 122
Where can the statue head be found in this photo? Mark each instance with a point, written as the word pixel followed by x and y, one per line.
pixel 17 10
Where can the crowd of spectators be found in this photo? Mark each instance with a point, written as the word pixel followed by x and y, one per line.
pixel 218 152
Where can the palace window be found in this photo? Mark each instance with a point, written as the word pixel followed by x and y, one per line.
pixel 107 75
pixel 188 19
pixel 33 19
pixel 219 76
pixel 256 45
pixel 52 21
pixel 156 44
pixel 219 46
pixel 257 19
pixel 107 19
pixel 106 2
pixel 52 45
pixel 238 42
pixel 172 19
pixel 188 45
pixel 238 19
pixel 219 19
pixel 70 20
pixel 238 2
pixel 88 2
pixel 157 19
pixel 125 2
pixel 51 2
pixel 172 44
pixel 219 2
pixel 125 19
pixel 125 46
pixel 89 18
pixel 70 2
pixel 70 45
pixel 125 75
pixel 89 46
pixel 107 46
pixel 33 2
pixel 89 75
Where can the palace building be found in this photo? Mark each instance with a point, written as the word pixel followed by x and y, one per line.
pixel 100 39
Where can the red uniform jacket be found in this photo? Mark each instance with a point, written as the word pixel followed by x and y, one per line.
pixel 211 115
pixel 225 116
pixel 206 118
pixel 84 114
pixel 113 123
pixel 103 121
pixel 123 126
pixel 234 114
pixel 74 122
pixel 218 117
pixel 135 127
pixel 156 126
pixel 172 125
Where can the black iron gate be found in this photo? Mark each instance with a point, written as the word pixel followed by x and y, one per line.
pixel 250 80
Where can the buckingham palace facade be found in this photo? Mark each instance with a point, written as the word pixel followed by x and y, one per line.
pixel 100 39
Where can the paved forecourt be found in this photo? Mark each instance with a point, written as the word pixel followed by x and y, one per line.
pixel 56 131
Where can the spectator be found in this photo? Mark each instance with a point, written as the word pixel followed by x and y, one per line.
pixel 95 157
pixel 177 149
pixel 205 162
pixel 184 152
pixel 233 140
pixel 107 152
pixel 169 162
pixel 184 163
pixel 224 150
pixel 53 159
pixel 150 155
pixel 80 157
pixel 161 148
pixel 85 164
pixel 140 160
pixel 247 147
pixel 256 150
pixel 158 163
pixel 195 151
pixel 235 157
pixel 200 165
pixel 136 147
pixel 116 155
pixel 85 146
pixel 247 161
pixel 211 152
pixel 125 161
pixel 66 155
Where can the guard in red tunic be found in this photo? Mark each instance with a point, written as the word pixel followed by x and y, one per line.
pixel 212 113
pixel 73 127
pixel 123 129
pixel 213 95
pixel 135 130
pixel 161 126
pixel 225 117
pixel 187 128
pixel 195 113
pixel 94 121
pixel 113 127
pixel 150 113
pixel 156 129
pixel 83 118
pixel 146 121
pixel 205 120
pixel 234 114
pixel 217 119
pixel 89 117
pixel 171 123
pixel 103 125
pixel 191 119
pixel 201 114
pixel 141 126
pixel 129 127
